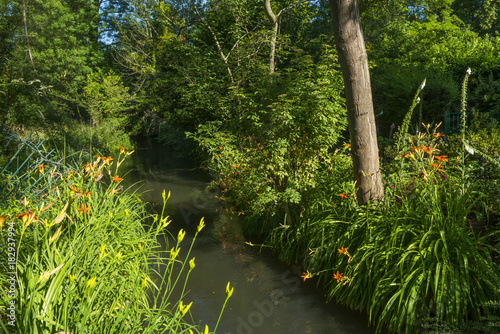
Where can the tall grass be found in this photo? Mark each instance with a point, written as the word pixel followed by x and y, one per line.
pixel 85 260
pixel 412 257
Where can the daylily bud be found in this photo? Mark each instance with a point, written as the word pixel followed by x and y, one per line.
pixel 91 282
pixel 191 264
pixel 201 225
pixel 180 236
pixel 229 292
pixel 174 253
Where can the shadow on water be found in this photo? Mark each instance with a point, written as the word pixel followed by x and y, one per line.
pixel 269 297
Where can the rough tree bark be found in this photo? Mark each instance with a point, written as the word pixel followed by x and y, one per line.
pixel 363 134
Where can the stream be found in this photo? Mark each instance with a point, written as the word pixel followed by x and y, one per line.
pixel 269 297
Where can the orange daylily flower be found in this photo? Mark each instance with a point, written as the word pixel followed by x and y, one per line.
pixel 84 209
pixel 98 157
pixel 343 250
pixel 87 193
pixel 437 167
pixel 338 276
pixel 87 167
pixel 438 135
pixel 27 216
pixel 346 145
pixel 107 159
pixel 428 150
pixel 117 179
pixel 441 158
pixel 73 189
pixel 2 220
pixel 306 275
pixel 114 191
pixel 343 195
pixel 41 168
pixel 416 149
pixel 122 149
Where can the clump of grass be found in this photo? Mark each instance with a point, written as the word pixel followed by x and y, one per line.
pixel 85 261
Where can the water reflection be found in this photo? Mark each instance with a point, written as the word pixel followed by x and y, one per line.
pixel 269 297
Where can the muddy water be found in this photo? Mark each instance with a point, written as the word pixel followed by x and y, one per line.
pixel 269 297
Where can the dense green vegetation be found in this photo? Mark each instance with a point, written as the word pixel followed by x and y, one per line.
pixel 89 75
pixel 82 255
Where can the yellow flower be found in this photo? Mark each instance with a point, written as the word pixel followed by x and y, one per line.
pixel 2 220
pixel 206 330
pixel 119 255
pixel 72 278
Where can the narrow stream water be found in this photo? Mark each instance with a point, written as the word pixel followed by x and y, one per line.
pixel 269 297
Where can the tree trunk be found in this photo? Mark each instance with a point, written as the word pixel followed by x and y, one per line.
pixel 274 22
pixel 354 63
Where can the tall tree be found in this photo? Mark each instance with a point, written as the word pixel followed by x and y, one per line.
pixel 363 133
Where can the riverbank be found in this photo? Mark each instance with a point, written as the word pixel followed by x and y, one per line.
pixel 269 297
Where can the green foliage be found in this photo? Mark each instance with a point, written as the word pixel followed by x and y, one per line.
pixel 415 255
pixel 484 134
pixel 85 263
pixel 267 163
pixel 403 52
pixel 104 96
